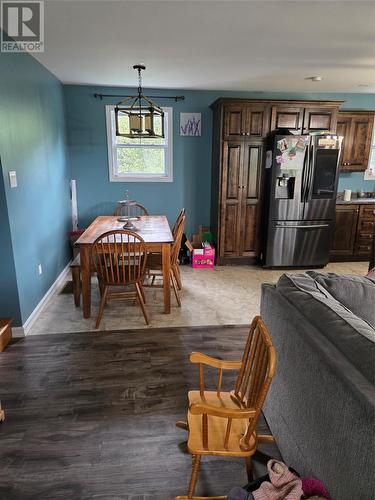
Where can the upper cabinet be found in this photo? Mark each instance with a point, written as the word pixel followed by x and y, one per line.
pixel 290 117
pixel 304 118
pixel 246 120
pixel 356 128
pixel 316 119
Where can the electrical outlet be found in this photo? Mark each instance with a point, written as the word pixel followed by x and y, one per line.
pixel 40 270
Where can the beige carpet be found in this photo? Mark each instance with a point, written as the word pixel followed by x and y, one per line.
pixel 224 296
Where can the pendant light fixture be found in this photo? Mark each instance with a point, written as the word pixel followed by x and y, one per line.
pixel 138 116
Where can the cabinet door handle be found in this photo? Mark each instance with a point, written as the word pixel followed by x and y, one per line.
pixel 247 133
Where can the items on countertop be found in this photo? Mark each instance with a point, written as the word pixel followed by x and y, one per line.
pixel 348 196
pixel 281 483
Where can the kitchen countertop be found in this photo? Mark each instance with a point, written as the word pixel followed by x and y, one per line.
pixel 355 201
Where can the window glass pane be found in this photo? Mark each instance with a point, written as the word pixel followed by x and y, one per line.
pixel 124 128
pixel 140 160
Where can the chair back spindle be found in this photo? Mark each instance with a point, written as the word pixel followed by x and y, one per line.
pixel 219 382
pixel 201 380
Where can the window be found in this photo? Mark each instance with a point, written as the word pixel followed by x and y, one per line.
pixel 139 159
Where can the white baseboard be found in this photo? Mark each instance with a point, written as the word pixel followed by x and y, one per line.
pixel 22 331
pixel 18 331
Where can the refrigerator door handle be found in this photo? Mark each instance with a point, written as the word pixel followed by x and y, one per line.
pixel 299 226
pixel 310 169
pixel 325 191
pixel 304 171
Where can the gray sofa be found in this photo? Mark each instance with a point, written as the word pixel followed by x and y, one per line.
pixel 320 406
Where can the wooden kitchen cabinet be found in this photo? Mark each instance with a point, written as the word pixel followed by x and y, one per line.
pixel 316 119
pixel 246 120
pixel 240 197
pixel 238 153
pixel 289 117
pixel 305 118
pixel 240 127
pixel 365 231
pixel 345 230
pixel 357 129
pixel 354 232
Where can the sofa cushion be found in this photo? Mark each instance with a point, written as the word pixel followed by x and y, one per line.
pixel 357 293
pixel 353 336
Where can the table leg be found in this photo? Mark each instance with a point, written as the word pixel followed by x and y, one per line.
pixel 166 259
pixel 86 280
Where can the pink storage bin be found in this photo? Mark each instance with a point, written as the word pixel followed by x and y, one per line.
pixel 203 258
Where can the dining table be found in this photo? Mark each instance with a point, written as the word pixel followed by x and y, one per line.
pixel 157 235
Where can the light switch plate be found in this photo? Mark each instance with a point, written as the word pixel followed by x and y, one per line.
pixel 13 179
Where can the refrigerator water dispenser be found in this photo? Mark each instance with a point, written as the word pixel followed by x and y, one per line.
pixel 285 187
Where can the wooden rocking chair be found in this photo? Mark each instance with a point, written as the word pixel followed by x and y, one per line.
pixel 223 424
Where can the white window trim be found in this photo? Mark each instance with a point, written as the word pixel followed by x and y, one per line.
pixel 112 158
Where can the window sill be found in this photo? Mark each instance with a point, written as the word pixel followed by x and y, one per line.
pixel 141 179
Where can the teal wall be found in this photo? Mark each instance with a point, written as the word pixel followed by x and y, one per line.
pixel 9 304
pixel 87 142
pixel 355 182
pixel 32 142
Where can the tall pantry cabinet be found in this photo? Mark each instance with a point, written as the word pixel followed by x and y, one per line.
pixel 238 148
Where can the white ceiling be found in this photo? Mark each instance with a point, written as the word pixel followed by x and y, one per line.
pixel 209 44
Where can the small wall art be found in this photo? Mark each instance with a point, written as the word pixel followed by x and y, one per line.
pixel 190 124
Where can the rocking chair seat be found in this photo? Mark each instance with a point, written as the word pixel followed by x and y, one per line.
pixel 217 426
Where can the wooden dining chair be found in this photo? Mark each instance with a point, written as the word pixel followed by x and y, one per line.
pixel 120 258
pixel 178 220
pixel 221 423
pixel 155 259
pixel 181 215
pixel 136 210
pixel 154 266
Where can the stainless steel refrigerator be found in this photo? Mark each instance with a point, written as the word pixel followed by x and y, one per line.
pixel 300 196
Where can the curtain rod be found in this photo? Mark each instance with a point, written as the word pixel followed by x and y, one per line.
pixel 176 98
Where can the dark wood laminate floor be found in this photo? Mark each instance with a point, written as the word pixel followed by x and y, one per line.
pixel 91 415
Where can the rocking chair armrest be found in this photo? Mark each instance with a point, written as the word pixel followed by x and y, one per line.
pixel 198 357
pixel 219 411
